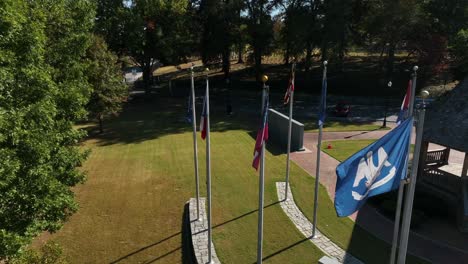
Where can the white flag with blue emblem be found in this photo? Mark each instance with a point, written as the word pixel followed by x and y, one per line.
pixel 376 169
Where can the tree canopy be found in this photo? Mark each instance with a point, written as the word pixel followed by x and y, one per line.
pixel 42 94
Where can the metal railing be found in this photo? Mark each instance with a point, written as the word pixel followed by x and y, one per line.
pixel 438 157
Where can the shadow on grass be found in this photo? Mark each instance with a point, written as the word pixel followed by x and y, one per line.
pixel 284 249
pixel 362 133
pixel 188 256
pixel 148 117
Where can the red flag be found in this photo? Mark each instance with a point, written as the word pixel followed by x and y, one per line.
pixel 262 137
pixel 203 123
pixel 290 89
pixel 405 105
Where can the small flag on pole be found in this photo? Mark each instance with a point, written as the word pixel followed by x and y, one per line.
pixel 203 123
pixel 323 103
pixel 290 89
pixel 404 109
pixel 262 135
pixel 376 169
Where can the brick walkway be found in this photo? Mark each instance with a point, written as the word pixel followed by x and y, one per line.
pixel 368 218
pixel 199 231
pixel 305 226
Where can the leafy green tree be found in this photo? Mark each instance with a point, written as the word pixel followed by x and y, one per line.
pixel 157 31
pixel 391 25
pixel 221 27
pixel 459 48
pixel 260 28
pixel 43 91
pixel 109 91
pixel 111 23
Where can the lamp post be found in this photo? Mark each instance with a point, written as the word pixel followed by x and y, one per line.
pixel 389 84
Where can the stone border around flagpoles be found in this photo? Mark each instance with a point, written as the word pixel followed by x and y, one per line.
pixel 199 233
pixel 305 226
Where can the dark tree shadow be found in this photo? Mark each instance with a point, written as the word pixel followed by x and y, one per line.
pixel 375 223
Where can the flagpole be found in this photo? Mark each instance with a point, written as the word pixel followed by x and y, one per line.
pixel 291 100
pixel 317 169
pixel 261 180
pixel 208 164
pixel 195 147
pixel 399 207
pixel 408 207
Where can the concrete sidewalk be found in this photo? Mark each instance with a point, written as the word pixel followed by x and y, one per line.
pixel 368 218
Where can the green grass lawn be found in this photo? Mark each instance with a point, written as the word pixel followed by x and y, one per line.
pixel 343 149
pixel 342 126
pixel 140 175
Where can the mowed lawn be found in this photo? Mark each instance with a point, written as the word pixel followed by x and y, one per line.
pixel 343 149
pixel 341 126
pixel 140 176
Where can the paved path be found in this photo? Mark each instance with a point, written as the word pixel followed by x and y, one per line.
pixel 305 226
pixel 199 230
pixel 367 217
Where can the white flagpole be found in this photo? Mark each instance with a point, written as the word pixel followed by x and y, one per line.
pixel 399 207
pixel 291 99
pixel 195 147
pixel 261 181
pixel 405 227
pixel 317 170
pixel 208 164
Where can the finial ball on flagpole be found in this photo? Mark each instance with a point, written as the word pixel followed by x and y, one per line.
pixel 415 68
pixel 424 94
pixel 207 69
pixel 390 84
pixel 264 78
pixel 325 63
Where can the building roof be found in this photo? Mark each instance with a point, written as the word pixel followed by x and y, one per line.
pixel 446 122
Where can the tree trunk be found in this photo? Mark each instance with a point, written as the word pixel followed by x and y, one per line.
pixel 390 60
pixel 147 74
pixel 239 53
pixel 101 129
pixel 258 63
pixel 287 53
pixel 226 62
pixel 308 58
pixel 341 55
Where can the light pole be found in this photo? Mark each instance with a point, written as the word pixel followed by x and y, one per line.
pixel 389 84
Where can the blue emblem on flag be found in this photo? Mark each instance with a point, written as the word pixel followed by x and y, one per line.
pixel 376 169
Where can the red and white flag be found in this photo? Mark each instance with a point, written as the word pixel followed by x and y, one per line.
pixel 404 109
pixel 203 120
pixel 262 136
pixel 287 95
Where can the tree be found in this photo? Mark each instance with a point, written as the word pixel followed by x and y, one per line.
pixel 260 27
pixel 109 91
pixel 221 29
pixel 391 24
pixel 43 91
pixel 157 31
pixel 110 23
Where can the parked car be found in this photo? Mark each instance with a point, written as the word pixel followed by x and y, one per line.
pixel 342 109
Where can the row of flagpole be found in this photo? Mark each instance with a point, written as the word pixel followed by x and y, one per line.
pixel 259 160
